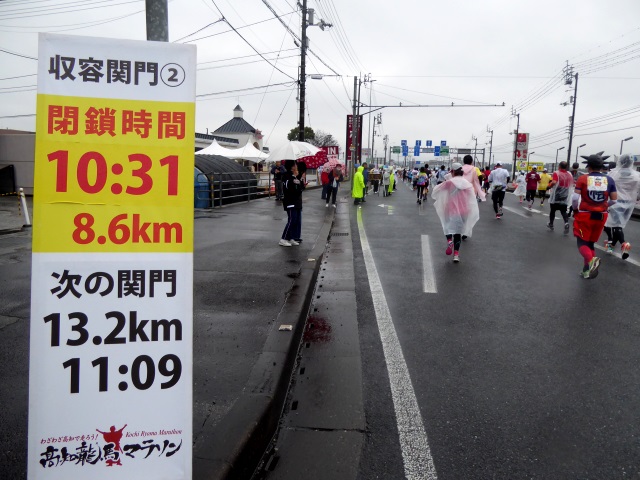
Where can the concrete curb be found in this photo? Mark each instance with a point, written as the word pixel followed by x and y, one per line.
pixel 232 448
pixel 7 231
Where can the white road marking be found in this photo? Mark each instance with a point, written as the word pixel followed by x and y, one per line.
pixel 514 210
pixel 416 454
pixel 532 209
pixel 616 254
pixel 428 276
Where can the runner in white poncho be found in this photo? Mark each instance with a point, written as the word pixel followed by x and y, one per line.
pixel 457 208
pixel 628 186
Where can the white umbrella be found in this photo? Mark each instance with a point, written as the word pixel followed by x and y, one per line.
pixel 293 150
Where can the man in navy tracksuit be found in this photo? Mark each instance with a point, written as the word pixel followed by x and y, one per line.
pixel 292 203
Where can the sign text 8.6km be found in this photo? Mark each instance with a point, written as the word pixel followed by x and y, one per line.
pixel 123 230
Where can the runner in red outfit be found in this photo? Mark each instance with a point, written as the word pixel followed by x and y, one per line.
pixel 593 195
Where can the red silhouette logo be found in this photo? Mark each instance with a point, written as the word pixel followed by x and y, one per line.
pixel 113 436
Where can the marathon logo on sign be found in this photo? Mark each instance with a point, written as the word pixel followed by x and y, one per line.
pixel 91 450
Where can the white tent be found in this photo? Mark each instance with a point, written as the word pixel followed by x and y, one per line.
pixel 248 152
pixel 215 149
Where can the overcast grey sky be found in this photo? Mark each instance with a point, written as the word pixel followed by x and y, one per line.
pixel 419 52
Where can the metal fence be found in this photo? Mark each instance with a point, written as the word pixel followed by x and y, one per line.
pixel 219 189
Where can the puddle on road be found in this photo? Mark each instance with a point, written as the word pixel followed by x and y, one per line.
pixel 318 330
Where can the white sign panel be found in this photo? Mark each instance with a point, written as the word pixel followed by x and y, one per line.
pixel 110 380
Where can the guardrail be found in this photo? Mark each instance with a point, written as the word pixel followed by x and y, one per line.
pixel 218 189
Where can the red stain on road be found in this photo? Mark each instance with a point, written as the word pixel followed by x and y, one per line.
pixel 318 330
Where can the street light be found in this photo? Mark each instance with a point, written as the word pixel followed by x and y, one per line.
pixel 577 150
pixel 557 150
pixel 626 139
pixel 528 160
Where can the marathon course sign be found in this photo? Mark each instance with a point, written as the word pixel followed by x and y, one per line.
pixel 110 383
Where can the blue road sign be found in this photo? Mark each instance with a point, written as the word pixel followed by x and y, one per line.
pixel 429 143
pixel 405 150
pixel 418 142
pixel 416 151
pixel 403 142
pixel 443 143
pixel 436 151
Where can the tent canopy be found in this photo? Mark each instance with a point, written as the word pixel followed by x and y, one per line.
pixel 248 152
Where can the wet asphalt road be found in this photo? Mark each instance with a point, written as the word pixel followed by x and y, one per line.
pixel 521 369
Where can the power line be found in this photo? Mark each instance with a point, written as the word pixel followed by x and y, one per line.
pixel 242 89
pixel 74 10
pixel 17 54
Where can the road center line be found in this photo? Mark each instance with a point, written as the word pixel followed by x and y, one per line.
pixel 416 454
pixel 515 210
pixel 428 276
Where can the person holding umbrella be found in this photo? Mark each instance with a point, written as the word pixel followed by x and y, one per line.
pixel 292 204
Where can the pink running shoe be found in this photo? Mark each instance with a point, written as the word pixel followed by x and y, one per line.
pixel 449 249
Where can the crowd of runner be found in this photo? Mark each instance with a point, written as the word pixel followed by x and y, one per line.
pixel 600 200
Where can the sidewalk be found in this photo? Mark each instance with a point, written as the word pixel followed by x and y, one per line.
pixel 11 215
pixel 246 288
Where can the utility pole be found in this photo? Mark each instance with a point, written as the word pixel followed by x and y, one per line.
pixel 490 147
pixel 567 81
pixel 354 130
pixel 303 72
pixel 473 137
pixel 307 21
pixel 376 121
pixel 386 142
pixel 515 144
pixel 157 20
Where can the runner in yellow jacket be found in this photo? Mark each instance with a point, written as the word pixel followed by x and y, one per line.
pixel 357 192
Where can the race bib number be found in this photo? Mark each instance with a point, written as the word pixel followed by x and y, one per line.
pixel 597 187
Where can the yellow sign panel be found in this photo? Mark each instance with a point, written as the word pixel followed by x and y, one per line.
pixel 128 161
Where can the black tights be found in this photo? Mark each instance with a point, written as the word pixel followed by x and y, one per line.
pixel 457 240
pixel 614 235
pixel 560 208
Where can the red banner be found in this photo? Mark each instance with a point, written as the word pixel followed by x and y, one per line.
pixel 351 128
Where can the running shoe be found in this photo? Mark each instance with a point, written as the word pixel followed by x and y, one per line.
pixel 626 246
pixel 550 227
pixel 293 242
pixel 497 216
pixel 608 246
pixel 456 259
pixel 284 243
pixel 500 211
pixel 566 228
pixel 449 249
pixel 584 274
pixel 594 264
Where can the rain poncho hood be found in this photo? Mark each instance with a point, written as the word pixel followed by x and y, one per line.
pixel 358 183
pixel 456 206
pixel 470 174
pixel 628 187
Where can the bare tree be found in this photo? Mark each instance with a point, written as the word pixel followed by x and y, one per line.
pixel 323 139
